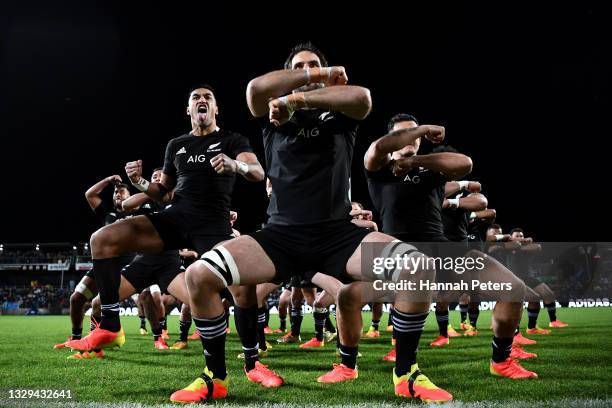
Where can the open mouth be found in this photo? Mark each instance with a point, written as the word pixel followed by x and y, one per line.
pixel 202 109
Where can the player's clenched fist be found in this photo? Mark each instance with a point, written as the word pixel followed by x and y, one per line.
pixel 115 179
pixel 435 134
pixel 223 164
pixel 330 76
pixel 133 170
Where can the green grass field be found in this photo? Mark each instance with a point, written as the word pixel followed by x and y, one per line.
pixel 574 365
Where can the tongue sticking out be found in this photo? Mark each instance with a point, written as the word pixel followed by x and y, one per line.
pixel 202 113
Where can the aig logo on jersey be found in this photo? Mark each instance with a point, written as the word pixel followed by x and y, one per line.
pixel 415 179
pixel 308 133
pixel 198 158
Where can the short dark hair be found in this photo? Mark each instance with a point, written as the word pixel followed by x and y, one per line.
pixel 121 185
pixel 157 169
pixel 201 85
pixel 516 230
pixel 401 117
pixel 494 226
pixel 305 46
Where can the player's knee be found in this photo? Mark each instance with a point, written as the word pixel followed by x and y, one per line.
pixel 317 304
pixel 422 269
pixel 81 294
pixel 349 297
pixel 216 268
pixel 511 312
pixel 297 298
pixel 198 276
pixel 519 289
pixel 77 300
pixel 244 296
pixel 144 296
pixel 104 243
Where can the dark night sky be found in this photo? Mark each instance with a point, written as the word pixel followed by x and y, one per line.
pixel 524 92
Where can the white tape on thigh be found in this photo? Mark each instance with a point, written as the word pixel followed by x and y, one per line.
pixel 222 264
pixel 394 248
pixel 135 297
pixel 84 290
pixel 154 289
pixel 233 268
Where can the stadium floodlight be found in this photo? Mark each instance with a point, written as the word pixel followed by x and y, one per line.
pixel 38 247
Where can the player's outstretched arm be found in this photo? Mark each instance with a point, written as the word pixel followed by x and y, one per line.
pixel 488 215
pixel 134 202
pixel 473 202
pixel 378 154
pixel 453 187
pixel 452 165
pixel 92 195
pixel 278 83
pixel 352 101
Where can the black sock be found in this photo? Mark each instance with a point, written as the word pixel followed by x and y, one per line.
pixel 408 328
pixel 349 356
pixel 184 328
pixel 267 315
pixel 246 324
pixel 296 320
pixel 375 324
pixel 212 334
pixel 227 318
pixel 93 321
pixel 163 324
pixel 108 277
pixel 329 325
pixel 143 322
pixel 474 317
pixel 157 332
pixel 532 314
pixel 463 309
pixel 442 319
pixel 390 317
pixel 319 322
pixel 261 325
pixel 501 349
pixel 77 333
pixel 517 331
pixel 552 310
pixel 283 323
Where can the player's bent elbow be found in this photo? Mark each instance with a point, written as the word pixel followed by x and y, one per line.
pixel 257 174
pixel 467 165
pixel 463 168
pixel 364 100
pixel 252 94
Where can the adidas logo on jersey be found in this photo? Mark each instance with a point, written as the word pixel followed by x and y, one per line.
pixel 182 150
